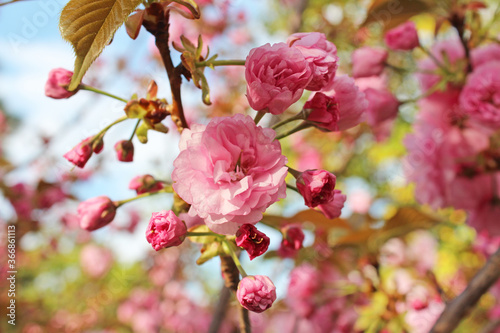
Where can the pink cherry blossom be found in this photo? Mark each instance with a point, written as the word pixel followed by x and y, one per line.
pixel 403 37
pixel 256 293
pixel 333 208
pixel 81 153
pixel 368 61
pixel 165 229
pixel 321 55
pixel 276 77
pixel 252 240
pixel 95 213
pixel 293 238
pixel 382 106
pixel 480 98
pixel 485 54
pixel 229 171
pixel 305 282
pixel 95 260
pixel 316 186
pixel 59 79
pixel 144 184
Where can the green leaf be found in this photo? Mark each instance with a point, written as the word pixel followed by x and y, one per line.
pixel 89 25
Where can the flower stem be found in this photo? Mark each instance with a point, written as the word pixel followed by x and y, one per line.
pixel 221 63
pixel 436 60
pixel 98 91
pixel 135 129
pixel 196 234
pixel 293 172
pixel 259 116
pixel 105 129
pixel 300 127
pixel 298 116
pixel 143 195
pixel 292 188
pixel 232 253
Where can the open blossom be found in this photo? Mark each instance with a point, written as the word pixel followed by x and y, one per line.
pixel 165 229
pixel 305 282
pixel 382 105
pixel 351 101
pixel 256 293
pixel 95 260
pixel 59 79
pixel 321 55
pixel 316 186
pixel 229 171
pixel 276 77
pixel 368 61
pixel 252 240
pixel 480 98
pixel 324 112
pixel 81 153
pixel 95 213
pixel 485 54
pixel 333 208
pixel 403 37
pixel 144 184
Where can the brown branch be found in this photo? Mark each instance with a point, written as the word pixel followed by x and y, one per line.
pixel 231 280
pixel 220 310
pixel 491 326
pixel 459 307
pixel 157 23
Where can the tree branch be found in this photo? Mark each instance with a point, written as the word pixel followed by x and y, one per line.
pixel 220 310
pixel 459 307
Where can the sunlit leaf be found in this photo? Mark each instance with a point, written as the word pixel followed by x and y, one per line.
pixel 391 13
pixel 310 215
pixel 89 25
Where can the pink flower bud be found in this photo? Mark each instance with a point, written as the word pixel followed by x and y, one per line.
pixel 320 54
pixel 382 105
pixel 95 213
pixel 276 77
pixel 59 79
pixel 252 240
pixel 293 238
pixel 403 37
pixel 368 61
pixel 333 208
pixel 144 184
pixel 165 229
pixel 324 112
pixel 81 153
pixel 316 186
pixel 256 293
pixel 124 151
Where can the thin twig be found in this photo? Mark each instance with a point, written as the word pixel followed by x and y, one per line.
pixel 220 310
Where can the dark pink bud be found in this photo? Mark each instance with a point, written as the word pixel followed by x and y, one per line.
pixel 95 213
pixel 403 37
pixel 256 293
pixel 252 240
pixel 316 186
pixel 144 184
pixel 324 112
pixel 333 208
pixel 124 151
pixel 81 153
pixel 165 229
pixel 59 79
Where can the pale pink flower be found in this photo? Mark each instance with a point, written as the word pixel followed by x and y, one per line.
pixel 321 55
pixel 360 201
pixel 422 249
pixel 392 253
pixel 95 260
pixel 230 171
pixel 351 101
pixel 95 213
pixel 421 321
pixel 382 106
pixel 484 217
pixel 485 54
pixel 316 186
pixel 56 85
pixel 256 293
pixel 368 61
pixel 165 229
pixel 333 208
pixel 305 282
pixel 276 77
pixel 403 37
pixel 480 97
